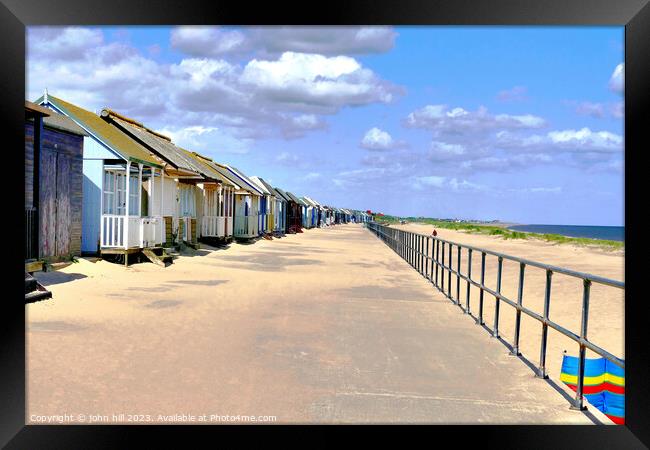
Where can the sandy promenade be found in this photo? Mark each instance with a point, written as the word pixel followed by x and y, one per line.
pixel 607 304
pixel 329 326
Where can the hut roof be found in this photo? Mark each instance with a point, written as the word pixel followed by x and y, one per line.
pixel 154 141
pixel 60 122
pixel 271 189
pixel 260 185
pixel 207 167
pixel 283 194
pixel 109 135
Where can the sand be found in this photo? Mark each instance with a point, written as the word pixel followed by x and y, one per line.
pixel 607 304
pixel 328 326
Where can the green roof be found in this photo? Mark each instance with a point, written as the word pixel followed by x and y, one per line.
pixel 116 140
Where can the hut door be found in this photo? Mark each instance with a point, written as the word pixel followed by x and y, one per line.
pixel 55 203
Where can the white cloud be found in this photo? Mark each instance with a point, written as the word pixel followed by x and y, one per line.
pixel 271 41
pixel 442 120
pixel 617 80
pixel 376 139
pixel 571 141
pixel 208 140
pixel 315 82
pixel 282 96
pixel 207 41
pixel 443 151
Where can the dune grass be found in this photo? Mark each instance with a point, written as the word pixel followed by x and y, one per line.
pixel 505 233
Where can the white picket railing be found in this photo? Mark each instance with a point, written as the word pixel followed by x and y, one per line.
pixel 213 226
pixel 246 226
pixel 142 231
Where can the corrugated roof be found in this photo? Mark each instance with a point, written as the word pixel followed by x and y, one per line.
pixel 61 122
pixel 96 126
pixel 260 185
pixel 155 142
pixel 222 170
pixel 271 189
pixel 296 199
pixel 209 169
pixel 248 184
pixel 283 194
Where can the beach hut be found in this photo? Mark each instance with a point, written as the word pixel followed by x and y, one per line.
pixel 312 212
pixel 280 209
pixel 267 207
pixel 53 187
pixel 117 214
pixel 308 213
pixel 289 210
pixel 295 207
pixel 217 218
pixel 246 204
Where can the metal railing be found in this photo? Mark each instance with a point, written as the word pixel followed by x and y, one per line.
pixel 415 249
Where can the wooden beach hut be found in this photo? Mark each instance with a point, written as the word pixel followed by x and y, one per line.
pixel 217 215
pixel 280 209
pixel 117 215
pixel 288 210
pixel 267 208
pixel 295 207
pixel 246 204
pixel 309 211
pixel 53 187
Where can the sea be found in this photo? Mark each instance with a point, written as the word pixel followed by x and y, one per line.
pixel 583 231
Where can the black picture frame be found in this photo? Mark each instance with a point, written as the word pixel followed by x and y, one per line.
pixel 15 15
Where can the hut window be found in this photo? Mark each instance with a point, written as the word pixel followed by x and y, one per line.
pixel 134 195
pixel 109 192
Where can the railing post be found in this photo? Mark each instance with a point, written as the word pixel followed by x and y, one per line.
pixel 426 261
pixel 469 278
pixel 578 402
pixel 442 268
pixel 479 319
pixel 437 258
pixel 541 373
pixel 520 299
pixel 459 250
pixel 451 266
pixel 497 303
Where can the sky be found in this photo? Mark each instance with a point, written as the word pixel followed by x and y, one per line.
pixel 519 124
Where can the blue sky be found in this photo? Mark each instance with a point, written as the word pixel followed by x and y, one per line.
pixel 521 124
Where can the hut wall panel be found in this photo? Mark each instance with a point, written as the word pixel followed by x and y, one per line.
pixel 93 170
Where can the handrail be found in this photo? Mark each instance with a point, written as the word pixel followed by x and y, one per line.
pixel 411 247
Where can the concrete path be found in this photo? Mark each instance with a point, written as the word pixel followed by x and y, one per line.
pixel 328 326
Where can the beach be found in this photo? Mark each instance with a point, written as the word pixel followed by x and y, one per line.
pixel 607 306
pixel 326 326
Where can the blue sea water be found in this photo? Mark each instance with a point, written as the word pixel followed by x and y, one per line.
pixel 584 231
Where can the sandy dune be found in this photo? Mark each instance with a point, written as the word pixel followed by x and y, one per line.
pixel 329 326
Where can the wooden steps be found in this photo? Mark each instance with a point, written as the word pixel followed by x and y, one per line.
pixel 157 256
pixel 35 291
